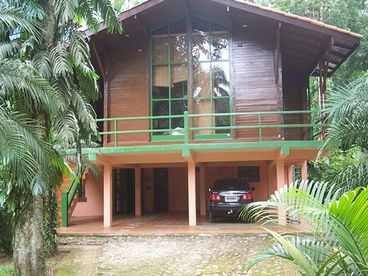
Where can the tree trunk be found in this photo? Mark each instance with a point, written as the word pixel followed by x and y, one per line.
pixel 28 241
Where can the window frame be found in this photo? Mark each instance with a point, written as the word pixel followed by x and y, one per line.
pixel 189 95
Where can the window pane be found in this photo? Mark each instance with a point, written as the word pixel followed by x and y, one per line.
pixel 220 47
pixel 178 27
pixel 201 48
pixel 220 79
pixel 202 106
pixel 178 44
pixel 162 30
pixel 179 81
pixel 160 49
pixel 160 108
pixel 177 108
pixel 160 82
pixel 200 25
pixel 201 80
pixel 222 106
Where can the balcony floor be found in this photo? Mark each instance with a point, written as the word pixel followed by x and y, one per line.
pixel 167 223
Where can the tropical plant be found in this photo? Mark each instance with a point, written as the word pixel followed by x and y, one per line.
pixel 46 83
pixel 338 241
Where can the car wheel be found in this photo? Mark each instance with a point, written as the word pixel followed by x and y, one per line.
pixel 211 217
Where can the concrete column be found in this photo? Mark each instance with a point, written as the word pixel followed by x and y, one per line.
pixel 304 170
pixel 202 190
pixel 280 180
pixel 138 191
pixel 107 195
pixel 290 174
pixel 192 209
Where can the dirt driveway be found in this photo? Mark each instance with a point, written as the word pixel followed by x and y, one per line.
pixel 201 254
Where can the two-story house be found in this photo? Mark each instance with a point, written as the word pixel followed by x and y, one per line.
pixel 199 90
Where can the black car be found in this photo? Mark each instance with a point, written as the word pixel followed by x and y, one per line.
pixel 227 197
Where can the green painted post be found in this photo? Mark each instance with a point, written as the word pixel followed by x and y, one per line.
pixel 186 127
pixel 260 126
pixel 115 134
pixel 64 209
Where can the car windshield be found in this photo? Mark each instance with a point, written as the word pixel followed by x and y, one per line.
pixel 231 184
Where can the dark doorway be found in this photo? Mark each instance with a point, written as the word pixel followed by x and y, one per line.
pixel 161 179
pixel 124 191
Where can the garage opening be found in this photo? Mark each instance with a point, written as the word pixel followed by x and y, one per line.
pixel 124 193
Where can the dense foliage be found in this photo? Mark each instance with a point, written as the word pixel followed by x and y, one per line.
pixel 46 83
pixel 338 244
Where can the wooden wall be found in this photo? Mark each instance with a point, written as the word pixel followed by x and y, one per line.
pixel 295 98
pixel 254 82
pixel 128 88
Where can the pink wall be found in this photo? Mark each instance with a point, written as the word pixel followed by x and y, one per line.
pixel 261 187
pixel 178 189
pixel 94 194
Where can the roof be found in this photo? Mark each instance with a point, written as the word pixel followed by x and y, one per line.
pixel 342 43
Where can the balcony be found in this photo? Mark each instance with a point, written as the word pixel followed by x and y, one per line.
pixel 212 131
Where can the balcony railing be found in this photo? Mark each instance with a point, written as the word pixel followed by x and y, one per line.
pixel 259 122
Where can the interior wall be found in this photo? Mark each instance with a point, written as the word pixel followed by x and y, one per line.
pixel 260 188
pixel 94 194
pixel 178 189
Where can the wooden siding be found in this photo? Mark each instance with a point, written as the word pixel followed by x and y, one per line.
pixel 295 98
pixel 254 82
pixel 128 89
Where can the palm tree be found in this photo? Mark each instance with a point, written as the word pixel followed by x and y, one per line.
pixel 338 242
pixel 46 84
pixel 347 112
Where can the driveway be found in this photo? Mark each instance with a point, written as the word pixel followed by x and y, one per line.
pixel 202 254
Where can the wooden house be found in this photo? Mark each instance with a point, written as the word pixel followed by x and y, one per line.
pixel 198 90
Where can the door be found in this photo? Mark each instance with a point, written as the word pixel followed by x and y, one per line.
pixel 160 178
pixel 124 191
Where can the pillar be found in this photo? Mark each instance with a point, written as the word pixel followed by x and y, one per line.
pixel 290 174
pixel 202 190
pixel 138 191
pixel 280 180
pixel 192 194
pixel 304 170
pixel 107 195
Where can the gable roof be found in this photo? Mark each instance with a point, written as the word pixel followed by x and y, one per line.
pixel 342 42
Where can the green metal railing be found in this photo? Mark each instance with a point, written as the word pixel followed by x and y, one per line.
pixel 67 198
pixel 189 129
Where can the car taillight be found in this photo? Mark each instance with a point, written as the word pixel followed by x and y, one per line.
pixel 215 197
pixel 247 197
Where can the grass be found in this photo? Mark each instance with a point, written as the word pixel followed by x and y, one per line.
pixel 6 266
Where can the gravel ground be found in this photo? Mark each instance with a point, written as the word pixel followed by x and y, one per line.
pixel 168 255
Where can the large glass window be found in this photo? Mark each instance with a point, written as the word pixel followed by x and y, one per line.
pixel 169 78
pixel 211 77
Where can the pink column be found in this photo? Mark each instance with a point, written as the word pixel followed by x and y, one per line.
pixel 107 195
pixel 290 174
pixel 304 170
pixel 138 189
pixel 192 209
pixel 280 180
